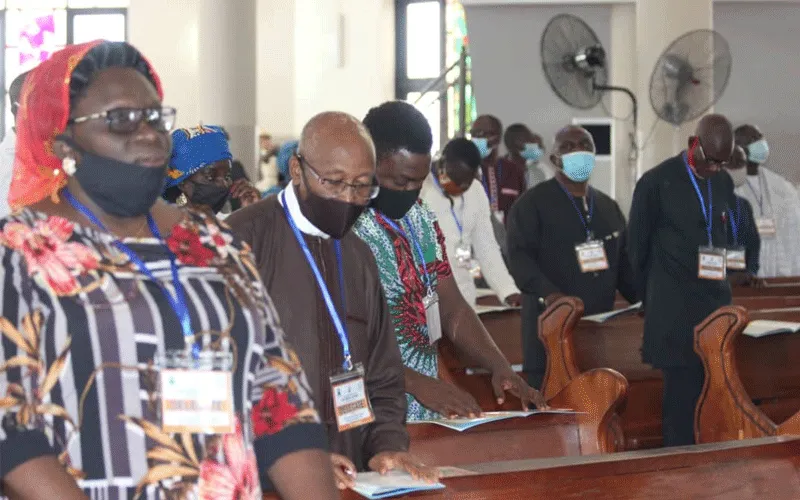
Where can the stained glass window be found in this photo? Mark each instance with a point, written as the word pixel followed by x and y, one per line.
pixel 34 29
pixel 457 40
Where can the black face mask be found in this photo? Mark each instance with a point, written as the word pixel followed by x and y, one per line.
pixel 118 188
pixel 331 216
pixel 210 195
pixel 395 204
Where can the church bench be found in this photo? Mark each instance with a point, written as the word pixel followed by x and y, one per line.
pixel 770 365
pixel 574 346
pixel 741 470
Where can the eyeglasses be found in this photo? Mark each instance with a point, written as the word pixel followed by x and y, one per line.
pixel 713 161
pixel 128 120
pixel 337 188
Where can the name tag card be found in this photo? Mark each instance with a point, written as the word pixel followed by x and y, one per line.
pixel 766 227
pixel 735 259
pixel 592 256
pixel 433 317
pixel 197 401
pixel 711 263
pixel 350 401
pixel 464 256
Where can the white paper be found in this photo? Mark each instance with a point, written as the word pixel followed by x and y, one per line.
pixel 462 424
pixel 484 292
pixel 603 317
pixel 394 483
pixel 480 309
pixel 762 327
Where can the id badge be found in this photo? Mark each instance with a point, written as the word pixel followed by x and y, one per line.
pixel 592 256
pixel 197 394
pixel 464 256
pixel 434 319
pixel 711 263
pixel 766 227
pixel 735 259
pixel 350 399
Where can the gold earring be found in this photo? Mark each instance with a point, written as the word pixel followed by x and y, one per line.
pixel 182 200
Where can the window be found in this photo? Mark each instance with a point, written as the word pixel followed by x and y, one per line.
pixel 33 29
pixel 430 37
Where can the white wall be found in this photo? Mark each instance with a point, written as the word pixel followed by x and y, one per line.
pixel 763 87
pixel 294 58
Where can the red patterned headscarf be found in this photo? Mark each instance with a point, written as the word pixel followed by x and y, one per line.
pixel 42 116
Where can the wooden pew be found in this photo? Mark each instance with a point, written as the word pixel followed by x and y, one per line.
pixel 597 394
pixel 575 346
pixel 743 470
pixel 725 410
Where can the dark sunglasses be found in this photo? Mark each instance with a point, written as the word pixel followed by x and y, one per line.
pixel 128 120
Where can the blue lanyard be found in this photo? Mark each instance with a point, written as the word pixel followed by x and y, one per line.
pixel 417 246
pixel 178 301
pixel 580 214
pixel 759 199
pixel 452 210
pixel 735 223
pixel 338 322
pixel 707 215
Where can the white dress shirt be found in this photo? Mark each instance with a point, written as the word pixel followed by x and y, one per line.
pixel 474 214
pixel 774 197
pixel 7 148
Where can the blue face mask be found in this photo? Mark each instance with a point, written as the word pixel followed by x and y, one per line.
pixel 578 166
pixel 483 146
pixel 532 152
pixel 758 152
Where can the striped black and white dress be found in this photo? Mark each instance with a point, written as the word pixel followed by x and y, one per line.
pixel 81 328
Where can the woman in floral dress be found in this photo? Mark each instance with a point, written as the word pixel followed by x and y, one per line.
pixel 93 296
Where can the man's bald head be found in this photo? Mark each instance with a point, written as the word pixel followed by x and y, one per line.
pixel 338 148
pixel 712 144
pixel 570 139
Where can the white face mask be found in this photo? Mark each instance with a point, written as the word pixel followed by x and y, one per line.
pixel 739 176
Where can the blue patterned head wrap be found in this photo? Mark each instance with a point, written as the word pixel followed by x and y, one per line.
pixel 195 148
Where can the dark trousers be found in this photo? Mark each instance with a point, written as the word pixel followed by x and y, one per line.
pixel 682 387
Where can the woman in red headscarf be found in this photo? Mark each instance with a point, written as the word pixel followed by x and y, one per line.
pixel 142 355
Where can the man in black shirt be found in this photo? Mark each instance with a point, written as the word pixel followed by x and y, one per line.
pixel 676 232
pixel 566 238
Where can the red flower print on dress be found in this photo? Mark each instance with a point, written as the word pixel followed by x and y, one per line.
pixel 186 245
pixel 229 469
pixel 218 239
pixel 49 256
pixel 270 414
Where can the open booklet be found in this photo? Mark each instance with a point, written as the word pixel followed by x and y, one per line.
pixel 481 309
pixel 762 327
pixel 603 317
pixel 394 483
pixel 462 424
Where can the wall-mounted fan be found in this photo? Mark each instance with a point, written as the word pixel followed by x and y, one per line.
pixel 690 76
pixel 574 64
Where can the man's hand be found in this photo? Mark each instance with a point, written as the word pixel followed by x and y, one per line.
pixel 245 192
pixel 505 380
pixel 401 460
pixel 548 301
pixel 744 279
pixel 344 470
pixel 514 300
pixel 444 398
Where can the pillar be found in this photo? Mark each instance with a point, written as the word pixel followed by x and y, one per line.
pixel 658 23
pixel 227 73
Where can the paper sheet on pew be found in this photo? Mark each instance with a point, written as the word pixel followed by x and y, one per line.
pixel 481 309
pixel 393 484
pixel 484 292
pixel 763 327
pixel 462 424
pixel 603 317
